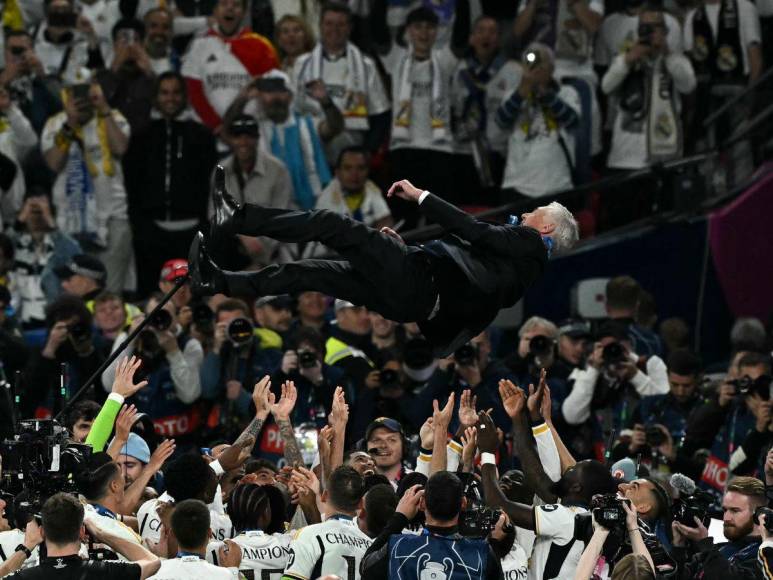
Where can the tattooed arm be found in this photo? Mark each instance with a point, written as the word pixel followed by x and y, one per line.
pixel 263 399
pixel 281 412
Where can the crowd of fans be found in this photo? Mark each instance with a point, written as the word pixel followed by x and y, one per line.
pixel 302 436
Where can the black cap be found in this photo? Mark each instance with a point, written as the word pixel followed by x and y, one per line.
pixel 574 328
pixel 392 425
pixel 84 265
pixel 281 301
pixel 422 14
pixel 244 125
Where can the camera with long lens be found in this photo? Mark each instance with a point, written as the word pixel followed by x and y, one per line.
pixel 695 505
pixel 608 510
pixel 160 320
pixel 749 386
pixel 389 378
pixel 613 354
pixel 768 513
pixel 240 331
pixel 465 355
pixel 79 332
pixel 645 32
pixel 307 359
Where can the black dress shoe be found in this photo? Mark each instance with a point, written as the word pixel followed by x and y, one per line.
pixel 206 278
pixel 222 228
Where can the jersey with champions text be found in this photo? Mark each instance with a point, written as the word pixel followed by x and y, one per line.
pixel 150 524
pixel 193 568
pixel 556 552
pixel 264 556
pixel 336 546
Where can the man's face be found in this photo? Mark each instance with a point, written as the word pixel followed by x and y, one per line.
pixel 158 32
pixel 753 372
pixel 265 476
pixel 78 285
pixel 523 344
pixel 110 316
pixel 312 304
pixel 245 148
pixel 655 21
pixel 571 348
pixel 539 219
pixel 642 495
pixel 484 38
pixel 229 15
pixel 60 7
pixel 334 30
pixel 682 386
pixel 422 36
pixel 352 172
pixel 170 100
pixel 226 316
pixel 18 49
pixel 277 319
pixel 737 520
pixel 355 320
pixel 81 429
pixel 382 328
pixel 131 467
pixel 389 445
pixel 362 463
pixel 276 104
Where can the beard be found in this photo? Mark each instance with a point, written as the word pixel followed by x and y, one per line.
pixel 734 533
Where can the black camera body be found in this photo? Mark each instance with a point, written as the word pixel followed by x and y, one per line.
pixel 655 437
pixel 645 32
pixel 608 511
pixel 478 522
pixel 240 331
pixel 696 505
pixel 389 378
pixel 748 386
pixel 768 513
pixel 613 354
pixel 79 332
pixel 466 355
pixel 307 359
pixel 161 320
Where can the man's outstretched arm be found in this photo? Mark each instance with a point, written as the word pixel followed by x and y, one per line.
pixel 512 241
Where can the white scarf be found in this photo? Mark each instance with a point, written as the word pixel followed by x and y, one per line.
pixel 664 130
pixel 571 43
pixel 439 111
pixel 355 109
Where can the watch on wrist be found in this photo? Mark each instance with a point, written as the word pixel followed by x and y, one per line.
pixel 25 549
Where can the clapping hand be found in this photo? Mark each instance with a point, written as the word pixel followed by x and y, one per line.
pixel 409 503
pixel 262 397
pixel 441 418
pixel 124 377
pixel 468 417
pixel 339 414
pixel 123 424
pixel 513 398
pixel 282 410
pixel 486 431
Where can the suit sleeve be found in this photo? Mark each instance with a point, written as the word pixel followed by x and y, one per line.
pixel 765 559
pixel 518 242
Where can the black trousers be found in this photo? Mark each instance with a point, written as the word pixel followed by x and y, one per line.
pixel 377 271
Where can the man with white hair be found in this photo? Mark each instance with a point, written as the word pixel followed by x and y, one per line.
pixel 452 287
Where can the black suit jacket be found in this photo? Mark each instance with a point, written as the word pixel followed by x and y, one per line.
pixel 480 268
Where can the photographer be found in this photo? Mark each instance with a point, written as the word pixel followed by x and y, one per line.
pixel 439 545
pixel 735 426
pixel 589 559
pixel 63 527
pixel 170 365
pixel 573 338
pixel 735 559
pixel 69 342
pixel 615 377
pixel 315 381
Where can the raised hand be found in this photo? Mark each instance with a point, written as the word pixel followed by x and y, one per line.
pixel 282 410
pixel 305 478
pixel 427 434
pixel 124 377
pixel 513 398
pixel 230 554
pixel 409 503
pixel 534 402
pixel 235 455
pixel 404 189
pixel 469 446
pixel 468 417
pixel 324 442
pixel 262 397
pixel 163 452
pixel 442 417
pixel 546 409
pixel 488 440
pixel 123 424
pixel 339 414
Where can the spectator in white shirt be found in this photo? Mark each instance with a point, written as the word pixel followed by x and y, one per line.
pixel 17 138
pixel 158 41
pixel 537 114
pixel 647 80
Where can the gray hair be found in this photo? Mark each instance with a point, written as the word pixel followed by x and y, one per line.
pixel 566 232
pixel 749 333
pixel 539 322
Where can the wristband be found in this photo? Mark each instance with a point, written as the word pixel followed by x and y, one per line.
pixel 488 459
pixel 118 398
pixel 217 468
pixel 25 549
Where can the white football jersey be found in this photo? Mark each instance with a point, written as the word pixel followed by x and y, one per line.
pixel 8 542
pixel 150 524
pixel 556 552
pixel 516 564
pixel 264 556
pixel 193 568
pixel 336 546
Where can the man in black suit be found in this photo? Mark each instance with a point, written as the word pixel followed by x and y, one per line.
pixel 453 287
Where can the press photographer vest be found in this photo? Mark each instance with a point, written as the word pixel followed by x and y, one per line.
pixel 719 60
pixel 433 557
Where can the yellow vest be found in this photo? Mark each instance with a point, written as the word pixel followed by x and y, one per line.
pixel 336 350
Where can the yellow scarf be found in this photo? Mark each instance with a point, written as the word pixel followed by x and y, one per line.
pixel 12 16
pixel 108 168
